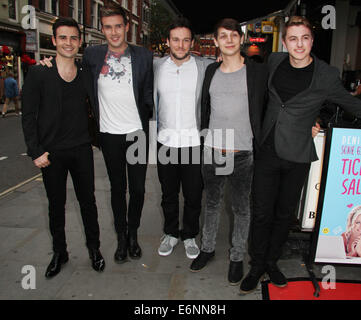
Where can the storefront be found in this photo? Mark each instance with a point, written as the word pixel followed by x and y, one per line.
pixel 13 55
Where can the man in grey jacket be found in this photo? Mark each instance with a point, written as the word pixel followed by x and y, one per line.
pixel 178 82
pixel 299 84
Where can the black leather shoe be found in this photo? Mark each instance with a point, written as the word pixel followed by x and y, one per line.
pixel 235 272
pixel 55 264
pixel 200 262
pixel 276 276
pixel 135 252
pixel 250 282
pixel 120 255
pixel 97 259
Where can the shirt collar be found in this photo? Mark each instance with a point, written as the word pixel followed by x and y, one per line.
pixel 171 62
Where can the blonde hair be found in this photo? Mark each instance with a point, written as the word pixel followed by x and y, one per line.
pixel 297 21
pixel 354 213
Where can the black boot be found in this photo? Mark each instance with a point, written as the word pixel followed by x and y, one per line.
pixel 135 252
pixel 235 272
pixel 250 282
pixel 200 262
pixel 120 255
pixel 276 276
pixel 97 259
pixel 55 264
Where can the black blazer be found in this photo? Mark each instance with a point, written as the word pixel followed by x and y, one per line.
pixel 257 75
pixel 293 119
pixel 41 106
pixel 142 70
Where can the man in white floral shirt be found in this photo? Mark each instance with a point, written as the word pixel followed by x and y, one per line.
pixel 123 83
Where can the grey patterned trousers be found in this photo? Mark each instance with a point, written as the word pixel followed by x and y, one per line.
pixel 240 180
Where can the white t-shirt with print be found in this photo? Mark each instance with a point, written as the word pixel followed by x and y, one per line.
pixel 118 111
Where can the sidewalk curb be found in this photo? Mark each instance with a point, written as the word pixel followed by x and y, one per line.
pixel 6 192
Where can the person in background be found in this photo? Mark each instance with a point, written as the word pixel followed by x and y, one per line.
pixel 11 93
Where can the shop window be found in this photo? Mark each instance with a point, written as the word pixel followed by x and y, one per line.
pixel 95 14
pixel 80 11
pixel 135 7
pixel 12 9
pixel 126 5
pixel 42 5
pixel 71 8
pixel 134 33
pixel 46 42
pixel 54 7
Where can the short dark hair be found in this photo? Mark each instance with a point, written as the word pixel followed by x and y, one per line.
pixel 229 24
pixel 297 21
pixel 113 10
pixel 180 23
pixel 68 22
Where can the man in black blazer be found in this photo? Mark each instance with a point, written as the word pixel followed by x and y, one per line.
pixel 233 98
pixel 123 86
pixel 299 84
pixel 55 125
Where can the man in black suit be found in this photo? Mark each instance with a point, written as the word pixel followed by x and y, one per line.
pixel 55 126
pixel 123 84
pixel 233 99
pixel 299 84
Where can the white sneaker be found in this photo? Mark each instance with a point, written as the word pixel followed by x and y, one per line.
pixel 167 244
pixel 192 250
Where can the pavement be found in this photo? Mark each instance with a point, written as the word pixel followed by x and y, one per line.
pixel 25 250
pixel 15 166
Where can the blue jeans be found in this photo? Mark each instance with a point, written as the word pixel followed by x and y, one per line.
pixel 240 180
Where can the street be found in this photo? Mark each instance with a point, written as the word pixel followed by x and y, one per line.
pixel 15 165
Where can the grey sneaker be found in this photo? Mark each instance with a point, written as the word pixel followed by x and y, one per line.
pixel 192 250
pixel 167 244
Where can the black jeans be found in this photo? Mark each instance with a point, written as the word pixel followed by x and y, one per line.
pixel 79 162
pixel 189 176
pixel 114 148
pixel 277 187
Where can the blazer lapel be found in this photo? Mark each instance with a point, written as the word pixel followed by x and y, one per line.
pixel 134 73
pixel 59 91
pixel 271 75
pixel 250 87
pixel 100 61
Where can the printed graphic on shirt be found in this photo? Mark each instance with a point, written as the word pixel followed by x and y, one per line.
pixel 118 67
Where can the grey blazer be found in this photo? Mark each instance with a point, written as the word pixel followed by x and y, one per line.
pixel 202 64
pixel 293 119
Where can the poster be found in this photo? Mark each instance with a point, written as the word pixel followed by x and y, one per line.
pixel 339 224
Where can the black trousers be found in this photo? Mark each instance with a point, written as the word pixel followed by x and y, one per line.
pixel 114 148
pixel 174 175
pixel 79 162
pixel 277 188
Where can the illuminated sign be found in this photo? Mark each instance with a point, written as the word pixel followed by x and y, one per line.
pixel 259 40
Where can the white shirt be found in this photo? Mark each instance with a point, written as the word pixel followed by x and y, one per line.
pixel 117 107
pixel 177 125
